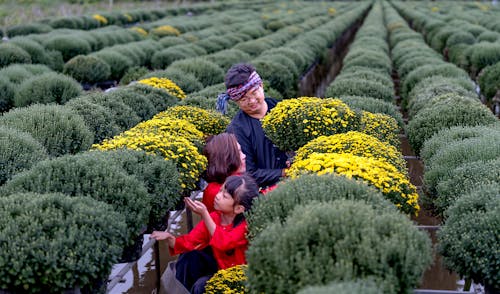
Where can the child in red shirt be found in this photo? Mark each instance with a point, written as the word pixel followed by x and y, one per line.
pixel 219 240
pixel 225 158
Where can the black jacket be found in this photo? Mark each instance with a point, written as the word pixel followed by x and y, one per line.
pixel 264 161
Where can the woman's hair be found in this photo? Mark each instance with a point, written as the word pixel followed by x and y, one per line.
pixel 243 189
pixel 238 74
pixel 223 157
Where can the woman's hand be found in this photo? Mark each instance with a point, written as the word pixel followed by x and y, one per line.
pixel 159 235
pixel 196 206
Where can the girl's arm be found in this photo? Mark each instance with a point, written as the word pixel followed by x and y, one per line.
pixel 158 235
pixel 200 208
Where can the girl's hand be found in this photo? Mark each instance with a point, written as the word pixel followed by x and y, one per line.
pixel 196 206
pixel 159 235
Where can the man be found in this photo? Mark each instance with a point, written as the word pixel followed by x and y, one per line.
pixel 264 161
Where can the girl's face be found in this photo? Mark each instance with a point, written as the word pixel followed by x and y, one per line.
pixel 224 202
pixel 243 165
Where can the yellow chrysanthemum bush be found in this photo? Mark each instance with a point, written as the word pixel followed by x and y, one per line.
pixel 355 143
pixel 101 19
pixel 381 174
pixel 294 122
pixel 228 281
pixel 174 139
pixel 164 31
pixel 381 126
pixel 209 122
pixel 164 84
pixel 139 30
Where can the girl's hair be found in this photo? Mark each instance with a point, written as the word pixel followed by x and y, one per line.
pixel 243 189
pixel 223 157
pixel 238 74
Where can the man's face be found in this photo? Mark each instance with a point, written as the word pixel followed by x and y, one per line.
pixel 253 101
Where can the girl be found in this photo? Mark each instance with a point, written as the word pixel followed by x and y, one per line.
pixel 225 158
pixel 219 240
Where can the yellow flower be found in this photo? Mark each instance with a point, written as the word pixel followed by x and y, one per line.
pixel 166 30
pixel 230 280
pixel 382 126
pixel 140 30
pixel 164 84
pixel 331 11
pixel 101 19
pixel 208 121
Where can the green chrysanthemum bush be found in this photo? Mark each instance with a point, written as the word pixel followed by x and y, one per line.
pixel 365 286
pixel 123 116
pixel 54 243
pixel 294 122
pixel 384 176
pixel 87 69
pixel 430 120
pixel 489 80
pixel 18 151
pixel 469 239
pixel 464 179
pixel 81 175
pixel 207 121
pixel 118 63
pixel 207 72
pixel 360 87
pixel 7 92
pixel 69 45
pixel 47 88
pixel 339 240
pixel 160 97
pixel 159 137
pixel 381 126
pixel 57 128
pixel 230 280
pixel 374 106
pixel 355 143
pixel 11 54
pixel 140 104
pixel 306 189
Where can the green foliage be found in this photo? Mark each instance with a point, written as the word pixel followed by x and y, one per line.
pixel 280 202
pixel 226 58
pixel 366 286
pixel 162 59
pixel 18 151
pixel 160 178
pixel 430 120
pixel 87 69
pixel 489 80
pixel 46 88
pixel 488 36
pixel 56 243
pixel 374 106
pixel 29 28
pixel 171 41
pixel 460 38
pixel 117 62
pixel 133 74
pixel 99 119
pixel 469 239
pixel 142 106
pixel 69 45
pixel 15 74
pixel 124 116
pixel 7 92
pixel 35 50
pixel 207 72
pixel 371 59
pixel 464 179
pixel 423 101
pixel 89 176
pixel 186 81
pixel 484 54
pixel 10 54
pixel 339 240
pixel 360 87
pixel 278 76
pixel 58 129
pixel 160 98
pixel 214 43
pixel 366 74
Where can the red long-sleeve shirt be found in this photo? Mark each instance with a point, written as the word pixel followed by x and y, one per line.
pixel 228 244
pixel 209 195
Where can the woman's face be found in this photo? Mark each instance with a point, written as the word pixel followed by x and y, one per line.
pixel 243 165
pixel 223 201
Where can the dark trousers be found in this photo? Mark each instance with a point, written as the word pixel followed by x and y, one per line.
pixel 195 268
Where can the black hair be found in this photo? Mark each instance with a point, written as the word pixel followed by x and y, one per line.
pixel 238 74
pixel 243 189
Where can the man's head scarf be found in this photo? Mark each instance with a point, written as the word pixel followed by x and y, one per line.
pixel 238 92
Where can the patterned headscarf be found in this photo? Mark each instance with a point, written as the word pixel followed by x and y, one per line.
pixel 238 92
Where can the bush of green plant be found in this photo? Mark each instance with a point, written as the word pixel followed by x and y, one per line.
pixel 89 176
pixel 226 58
pixel 469 239
pixel 458 153
pixel 133 74
pixel 207 72
pixel 489 80
pixel 186 81
pixel 10 54
pixel 26 29
pixel 366 74
pixel 214 43
pixel 488 36
pixel 374 105
pixel 117 62
pixel 278 76
pixel 424 102
pixel 35 50
pixel 366 286
pixel 18 151
pixel 15 73
pixel 57 243
pixel 46 88
pixel 171 41
pixel 99 119
pixel 430 120
pixel 296 57
pixel 439 39
pixel 142 106
pixel 69 46
pixel 67 22
pixel 484 54
pixel 253 47
pixel 160 178
pixel 463 179
pixel 162 59
pixel 124 116
pixel 372 60
pixel 55 60
pixel 211 91
pixel 280 202
pixel 460 38
pixel 339 240
pixel 87 69
pixel 438 82
pixel 58 129
pixel 7 92
pixel 411 63
pixel 160 98
pixel 360 87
